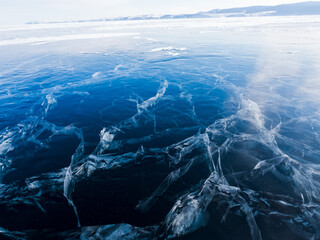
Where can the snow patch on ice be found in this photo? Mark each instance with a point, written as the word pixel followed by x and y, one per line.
pixel 167 48
pixel 63 38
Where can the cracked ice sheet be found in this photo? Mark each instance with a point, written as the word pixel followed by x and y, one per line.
pixel 253 139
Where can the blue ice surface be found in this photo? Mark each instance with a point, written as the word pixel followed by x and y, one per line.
pixel 178 128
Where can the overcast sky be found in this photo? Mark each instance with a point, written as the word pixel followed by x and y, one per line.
pixel 22 11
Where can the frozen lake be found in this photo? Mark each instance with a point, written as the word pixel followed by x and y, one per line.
pixel 160 129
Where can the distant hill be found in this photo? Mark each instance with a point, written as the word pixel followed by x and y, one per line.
pixel 303 8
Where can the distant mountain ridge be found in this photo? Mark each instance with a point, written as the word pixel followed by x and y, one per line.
pixel 302 8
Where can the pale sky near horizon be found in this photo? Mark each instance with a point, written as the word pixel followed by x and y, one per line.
pixel 22 11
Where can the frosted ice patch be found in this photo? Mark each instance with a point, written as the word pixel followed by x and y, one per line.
pixel 167 48
pixel 189 219
pixel 173 53
pixel 51 99
pixel 118 67
pixel 107 136
pixel 96 74
pixel 88 52
pixel 63 38
pixel 40 43
pixel 6 140
pixel 151 101
pixel 146 38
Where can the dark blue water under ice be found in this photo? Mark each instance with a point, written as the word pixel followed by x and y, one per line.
pixel 167 132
